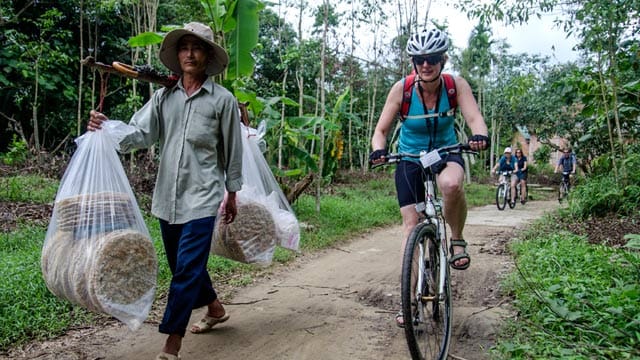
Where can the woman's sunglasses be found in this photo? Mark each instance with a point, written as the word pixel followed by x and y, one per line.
pixel 430 59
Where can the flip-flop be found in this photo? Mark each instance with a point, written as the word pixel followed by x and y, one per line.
pixel 166 356
pixel 207 322
pixel 400 319
pixel 462 255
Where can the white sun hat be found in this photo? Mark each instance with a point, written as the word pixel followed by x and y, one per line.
pixel 169 51
pixel 507 150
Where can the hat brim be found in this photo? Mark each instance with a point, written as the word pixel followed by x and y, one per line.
pixel 169 53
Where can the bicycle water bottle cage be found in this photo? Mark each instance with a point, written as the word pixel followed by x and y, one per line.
pixel 429 158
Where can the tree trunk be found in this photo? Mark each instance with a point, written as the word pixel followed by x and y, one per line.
pixel 322 104
pixel 34 110
pixel 81 74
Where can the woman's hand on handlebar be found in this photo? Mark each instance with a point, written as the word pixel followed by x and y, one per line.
pixel 479 142
pixel 95 120
pixel 378 156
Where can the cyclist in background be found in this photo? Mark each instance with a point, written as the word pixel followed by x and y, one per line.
pixel 521 171
pixel 507 163
pixel 566 163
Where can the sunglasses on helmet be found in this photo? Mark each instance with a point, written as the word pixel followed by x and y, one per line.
pixel 430 59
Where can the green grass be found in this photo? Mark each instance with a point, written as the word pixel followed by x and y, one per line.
pixel 29 188
pixel 574 300
pixel 29 310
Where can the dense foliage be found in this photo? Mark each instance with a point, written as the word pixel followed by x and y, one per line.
pixel 275 68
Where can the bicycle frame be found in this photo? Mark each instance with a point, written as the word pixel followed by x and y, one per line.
pixel 431 208
pixel 503 190
pixel 565 186
pixel 505 177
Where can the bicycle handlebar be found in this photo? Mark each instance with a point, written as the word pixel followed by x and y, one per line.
pixel 393 158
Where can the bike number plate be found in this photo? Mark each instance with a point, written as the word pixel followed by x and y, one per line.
pixel 429 158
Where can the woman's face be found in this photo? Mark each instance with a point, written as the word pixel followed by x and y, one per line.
pixel 518 153
pixel 428 67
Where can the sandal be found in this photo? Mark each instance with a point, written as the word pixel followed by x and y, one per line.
pixel 400 319
pixel 462 255
pixel 207 322
pixel 166 356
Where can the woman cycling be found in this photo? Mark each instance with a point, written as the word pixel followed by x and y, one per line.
pixel 521 172
pixel 507 163
pixel 425 129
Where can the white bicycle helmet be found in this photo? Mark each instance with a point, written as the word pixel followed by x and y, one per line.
pixel 432 41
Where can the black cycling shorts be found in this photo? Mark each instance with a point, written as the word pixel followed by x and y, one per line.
pixel 522 175
pixel 410 178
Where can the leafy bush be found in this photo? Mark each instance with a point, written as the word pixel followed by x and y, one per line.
pixel 574 300
pixel 17 154
pixel 542 154
pixel 600 195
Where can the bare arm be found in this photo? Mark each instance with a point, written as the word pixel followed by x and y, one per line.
pixel 470 111
pixel 496 166
pixel 389 111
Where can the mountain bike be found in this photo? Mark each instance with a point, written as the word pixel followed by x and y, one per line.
pixel 503 191
pixel 425 281
pixel 565 186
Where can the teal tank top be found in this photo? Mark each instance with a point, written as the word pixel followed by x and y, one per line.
pixel 416 133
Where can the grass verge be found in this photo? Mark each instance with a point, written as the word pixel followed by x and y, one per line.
pixel 574 300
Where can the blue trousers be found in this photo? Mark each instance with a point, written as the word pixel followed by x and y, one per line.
pixel 187 248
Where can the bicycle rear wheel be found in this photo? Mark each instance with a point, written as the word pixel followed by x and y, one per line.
pixel 427 314
pixel 501 197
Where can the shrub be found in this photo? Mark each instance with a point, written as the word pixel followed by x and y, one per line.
pixel 17 154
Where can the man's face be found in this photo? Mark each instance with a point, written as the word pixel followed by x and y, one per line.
pixel 193 55
pixel 566 153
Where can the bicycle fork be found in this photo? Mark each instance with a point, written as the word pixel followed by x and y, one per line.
pixel 442 258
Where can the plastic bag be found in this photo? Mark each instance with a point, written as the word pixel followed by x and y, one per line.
pixel 265 218
pixel 258 180
pixel 97 252
pixel 251 238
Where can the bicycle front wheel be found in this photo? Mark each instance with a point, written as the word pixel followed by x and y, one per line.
pixel 563 191
pixel 501 197
pixel 512 202
pixel 426 309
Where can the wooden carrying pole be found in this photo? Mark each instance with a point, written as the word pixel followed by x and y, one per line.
pixel 129 71
pixel 124 70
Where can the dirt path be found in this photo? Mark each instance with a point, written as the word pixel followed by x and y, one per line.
pixel 336 304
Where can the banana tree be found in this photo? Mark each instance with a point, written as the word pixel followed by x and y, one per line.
pixel 235 25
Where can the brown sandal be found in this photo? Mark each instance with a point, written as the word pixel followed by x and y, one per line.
pixel 462 255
